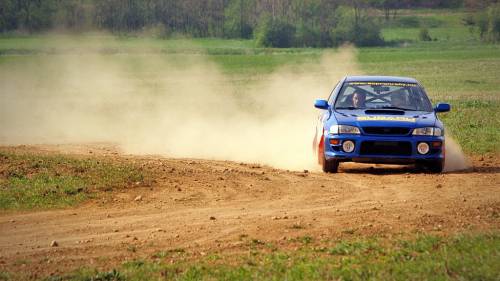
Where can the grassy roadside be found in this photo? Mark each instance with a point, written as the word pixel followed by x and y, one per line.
pixel 475 124
pixel 31 181
pixel 427 257
pixel 463 75
pixel 443 25
pixel 456 68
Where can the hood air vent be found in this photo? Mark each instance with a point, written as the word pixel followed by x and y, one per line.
pixel 385 111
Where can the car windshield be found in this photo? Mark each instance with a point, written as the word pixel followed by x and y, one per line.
pixel 381 95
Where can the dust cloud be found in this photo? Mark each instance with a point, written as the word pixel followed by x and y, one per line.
pixel 455 158
pixel 172 105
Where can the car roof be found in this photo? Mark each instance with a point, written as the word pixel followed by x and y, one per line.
pixel 368 78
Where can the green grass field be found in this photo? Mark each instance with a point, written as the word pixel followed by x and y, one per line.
pixel 456 73
pixel 455 68
pixel 443 26
pixel 464 76
pixel 459 257
pixel 462 71
pixel 29 181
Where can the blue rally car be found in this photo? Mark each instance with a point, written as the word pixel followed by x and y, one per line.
pixel 379 119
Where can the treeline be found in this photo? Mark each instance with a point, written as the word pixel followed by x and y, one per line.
pixel 486 21
pixel 278 23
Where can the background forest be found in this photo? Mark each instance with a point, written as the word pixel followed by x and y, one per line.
pixel 272 23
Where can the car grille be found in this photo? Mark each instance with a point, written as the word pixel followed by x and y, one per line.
pixel 393 148
pixel 395 131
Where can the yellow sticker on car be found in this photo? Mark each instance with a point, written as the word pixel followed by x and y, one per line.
pixel 386 118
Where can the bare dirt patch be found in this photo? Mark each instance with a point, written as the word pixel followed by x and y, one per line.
pixel 202 206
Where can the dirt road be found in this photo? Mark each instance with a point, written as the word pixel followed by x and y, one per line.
pixel 204 206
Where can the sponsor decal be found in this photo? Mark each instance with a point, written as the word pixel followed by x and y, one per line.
pixel 397 84
pixel 386 118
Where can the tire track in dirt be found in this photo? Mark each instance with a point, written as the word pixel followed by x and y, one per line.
pixel 206 206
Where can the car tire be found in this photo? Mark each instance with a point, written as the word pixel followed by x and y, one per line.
pixel 435 166
pixel 330 166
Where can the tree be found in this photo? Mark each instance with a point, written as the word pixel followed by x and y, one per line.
pixel 8 19
pixel 352 25
pixel 424 35
pixel 304 22
pixel 388 6
pixel 34 15
pixel 275 33
pixel 237 19
pixel 72 14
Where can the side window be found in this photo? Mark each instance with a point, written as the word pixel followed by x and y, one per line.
pixel 334 93
pixel 346 98
pixel 418 98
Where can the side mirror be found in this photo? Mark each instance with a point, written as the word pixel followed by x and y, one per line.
pixel 442 107
pixel 321 104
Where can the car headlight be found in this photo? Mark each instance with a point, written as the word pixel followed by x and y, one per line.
pixel 428 131
pixel 344 129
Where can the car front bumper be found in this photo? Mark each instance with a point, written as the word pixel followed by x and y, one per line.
pixel 384 149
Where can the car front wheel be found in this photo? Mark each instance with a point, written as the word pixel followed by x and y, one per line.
pixel 436 166
pixel 329 166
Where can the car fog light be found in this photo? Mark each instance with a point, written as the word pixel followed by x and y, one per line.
pixel 423 148
pixel 348 146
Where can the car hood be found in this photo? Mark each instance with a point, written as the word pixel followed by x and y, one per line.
pixel 385 118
